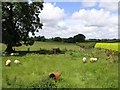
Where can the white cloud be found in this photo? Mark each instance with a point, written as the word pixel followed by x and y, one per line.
pixel 97 23
pixel 90 3
pixel 92 23
pixel 79 0
pixel 108 0
pixel 51 12
pixel 95 17
pixel 110 6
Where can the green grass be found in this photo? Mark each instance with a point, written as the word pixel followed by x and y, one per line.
pixel 45 45
pixel 35 68
pixel 110 46
pixel 86 45
pixel 0 73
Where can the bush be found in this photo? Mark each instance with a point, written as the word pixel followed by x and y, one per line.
pixel 86 45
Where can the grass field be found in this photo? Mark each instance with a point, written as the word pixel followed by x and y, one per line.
pixel 45 45
pixel 35 68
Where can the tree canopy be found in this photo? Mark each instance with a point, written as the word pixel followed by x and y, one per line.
pixel 79 38
pixel 18 20
pixel 76 38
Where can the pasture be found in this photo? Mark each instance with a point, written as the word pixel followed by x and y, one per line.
pixel 34 70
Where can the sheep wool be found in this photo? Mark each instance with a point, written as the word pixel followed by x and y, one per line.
pixel 17 62
pixel 84 59
pixel 8 62
pixel 93 59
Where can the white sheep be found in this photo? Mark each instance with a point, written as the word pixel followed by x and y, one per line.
pixel 17 62
pixel 84 59
pixel 8 62
pixel 93 59
pixel 14 54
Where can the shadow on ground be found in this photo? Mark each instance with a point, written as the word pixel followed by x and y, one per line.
pixel 43 51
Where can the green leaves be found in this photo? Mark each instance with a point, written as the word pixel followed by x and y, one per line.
pixel 18 19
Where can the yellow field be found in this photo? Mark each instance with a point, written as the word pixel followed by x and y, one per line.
pixel 110 46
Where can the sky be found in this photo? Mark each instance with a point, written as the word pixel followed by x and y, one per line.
pixel 95 19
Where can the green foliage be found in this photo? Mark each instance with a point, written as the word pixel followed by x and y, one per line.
pixel 40 38
pixel 44 83
pixel 18 19
pixel 86 45
pixel 79 38
pixel 76 38
pixel 58 39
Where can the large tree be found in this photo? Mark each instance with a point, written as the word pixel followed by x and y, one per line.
pixel 18 20
pixel 79 38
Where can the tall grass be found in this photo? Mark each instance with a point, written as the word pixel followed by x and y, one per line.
pixel 0 73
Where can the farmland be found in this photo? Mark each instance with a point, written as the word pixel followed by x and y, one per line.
pixel 110 46
pixel 35 68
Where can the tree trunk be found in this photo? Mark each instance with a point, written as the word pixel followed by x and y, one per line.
pixel 9 49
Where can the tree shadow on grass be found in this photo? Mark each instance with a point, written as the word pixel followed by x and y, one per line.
pixel 42 51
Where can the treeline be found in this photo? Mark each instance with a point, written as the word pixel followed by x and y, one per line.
pixel 103 40
pixel 40 38
pixel 74 39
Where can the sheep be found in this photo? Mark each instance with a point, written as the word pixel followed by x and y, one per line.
pixel 17 62
pixel 8 62
pixel 12 54
pixel 84 59
pixel 15 54
pixel 93 59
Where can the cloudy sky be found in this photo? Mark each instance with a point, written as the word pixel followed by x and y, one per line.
pixel 96 19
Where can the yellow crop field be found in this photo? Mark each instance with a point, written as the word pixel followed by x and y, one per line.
pixel 110 46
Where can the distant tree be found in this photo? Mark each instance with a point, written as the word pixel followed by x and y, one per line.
pixel 79 38
pixel 43 38
pixel 58 39
pixel 39 38
pixel 18 19
pixel 70 40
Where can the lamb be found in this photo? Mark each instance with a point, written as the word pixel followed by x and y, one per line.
pixel 93 59
pixel 84 59
pixel 8 62
pixel 17 62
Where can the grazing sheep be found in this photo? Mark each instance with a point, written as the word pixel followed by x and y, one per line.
pixel 93 59
pixel 84 59
pixel 17 62
pixel 8 62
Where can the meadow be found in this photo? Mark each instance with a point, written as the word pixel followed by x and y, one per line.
pixel 34 70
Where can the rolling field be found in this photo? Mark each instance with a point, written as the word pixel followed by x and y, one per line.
pixel 45 45
pixel 34 70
